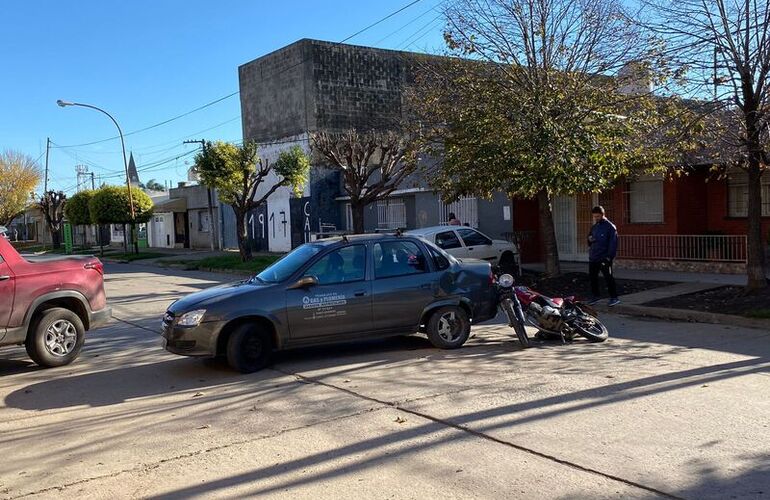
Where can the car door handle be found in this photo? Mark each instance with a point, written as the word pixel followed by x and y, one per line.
pixel 470 249
pixel 3 278
pixel 359 293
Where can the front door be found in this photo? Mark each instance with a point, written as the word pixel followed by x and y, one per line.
pixel 7 288
pixel 403 285
pixel 341 303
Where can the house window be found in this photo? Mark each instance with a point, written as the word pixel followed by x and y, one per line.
pixel 466 209
pixel 391 213
pixel 204 221
pixel 738 195
pixel 646 202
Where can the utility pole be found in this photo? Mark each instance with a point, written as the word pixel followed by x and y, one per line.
pixel 208 192
pixel 47 147
pixel 93 185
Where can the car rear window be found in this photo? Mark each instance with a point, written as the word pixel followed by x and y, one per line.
pixel 398 258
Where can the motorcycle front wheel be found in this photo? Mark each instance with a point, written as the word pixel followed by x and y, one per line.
pixel 518 326
pixel 591 328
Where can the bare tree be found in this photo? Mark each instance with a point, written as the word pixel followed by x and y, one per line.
pixel 52 205
pixel 373 164
pixel 723 49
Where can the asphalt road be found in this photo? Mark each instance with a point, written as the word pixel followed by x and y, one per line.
pixel 660 410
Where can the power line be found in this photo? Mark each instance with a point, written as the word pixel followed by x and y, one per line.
pixel 432 9
pixel 199 108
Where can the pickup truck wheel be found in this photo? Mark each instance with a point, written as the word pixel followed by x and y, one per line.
pixel 449 328
pixel 55 338
pixel 249 349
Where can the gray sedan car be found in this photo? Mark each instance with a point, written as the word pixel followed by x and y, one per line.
pixel 335 290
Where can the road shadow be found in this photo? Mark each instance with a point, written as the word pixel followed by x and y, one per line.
pixel 315 467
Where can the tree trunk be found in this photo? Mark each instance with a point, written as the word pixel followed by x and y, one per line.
pixel 756 265
pixel 56 239
pixel 548 234
pixel 243 239
pixel 358 217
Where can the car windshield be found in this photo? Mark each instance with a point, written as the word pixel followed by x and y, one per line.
pixel 288 264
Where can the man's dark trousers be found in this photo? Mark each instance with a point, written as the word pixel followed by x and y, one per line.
pixel 605 268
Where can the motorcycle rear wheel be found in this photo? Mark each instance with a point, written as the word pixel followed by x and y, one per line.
pixel 591 328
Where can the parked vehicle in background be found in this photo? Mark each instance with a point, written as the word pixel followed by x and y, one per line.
pixel 339 289
pixel 48 303
pixel 466 242
pixel 4 232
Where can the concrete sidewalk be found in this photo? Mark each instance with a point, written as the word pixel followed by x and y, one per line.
pixel 639 274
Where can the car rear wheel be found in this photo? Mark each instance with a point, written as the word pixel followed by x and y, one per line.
pixel 249 349
pixel 449 327
pixel 56 338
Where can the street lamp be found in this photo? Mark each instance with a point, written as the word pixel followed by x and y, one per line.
pixel 64 104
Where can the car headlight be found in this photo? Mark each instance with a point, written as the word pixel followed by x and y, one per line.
pixel 505 281
pixel 192 318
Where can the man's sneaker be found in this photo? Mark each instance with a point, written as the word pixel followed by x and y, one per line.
pixel 594 300
pixel 613 302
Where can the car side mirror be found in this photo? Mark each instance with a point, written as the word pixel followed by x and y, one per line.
pixel 304 282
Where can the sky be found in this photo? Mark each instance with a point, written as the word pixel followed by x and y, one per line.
pixel 146 62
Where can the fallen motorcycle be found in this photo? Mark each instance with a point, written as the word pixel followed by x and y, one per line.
pixel 564 318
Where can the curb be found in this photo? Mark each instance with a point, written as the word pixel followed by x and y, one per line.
pixel 688 315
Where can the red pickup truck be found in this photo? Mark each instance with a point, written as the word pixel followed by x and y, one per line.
pixel 48 303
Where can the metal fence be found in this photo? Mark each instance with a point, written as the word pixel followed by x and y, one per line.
pixel 391 213
pixel 685 247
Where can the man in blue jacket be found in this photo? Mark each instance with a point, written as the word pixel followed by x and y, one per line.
pixel 603 243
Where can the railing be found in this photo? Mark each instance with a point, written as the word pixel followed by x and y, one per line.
pixel 685 247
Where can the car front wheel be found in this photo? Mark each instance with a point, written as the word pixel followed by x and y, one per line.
pixel 249 349
pixel 56 338
pixel 449 327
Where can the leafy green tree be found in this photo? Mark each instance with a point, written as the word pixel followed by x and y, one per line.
pixel 154 185
pixel 237 172
pixel 19 174
pixel 77 212
pixel 373 164
pixel 541 102
pixel 110 205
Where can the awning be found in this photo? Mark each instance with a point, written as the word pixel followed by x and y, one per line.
pixel 172 205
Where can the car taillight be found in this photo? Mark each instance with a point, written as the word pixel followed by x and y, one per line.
pixel 491 278
pixel 97 266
